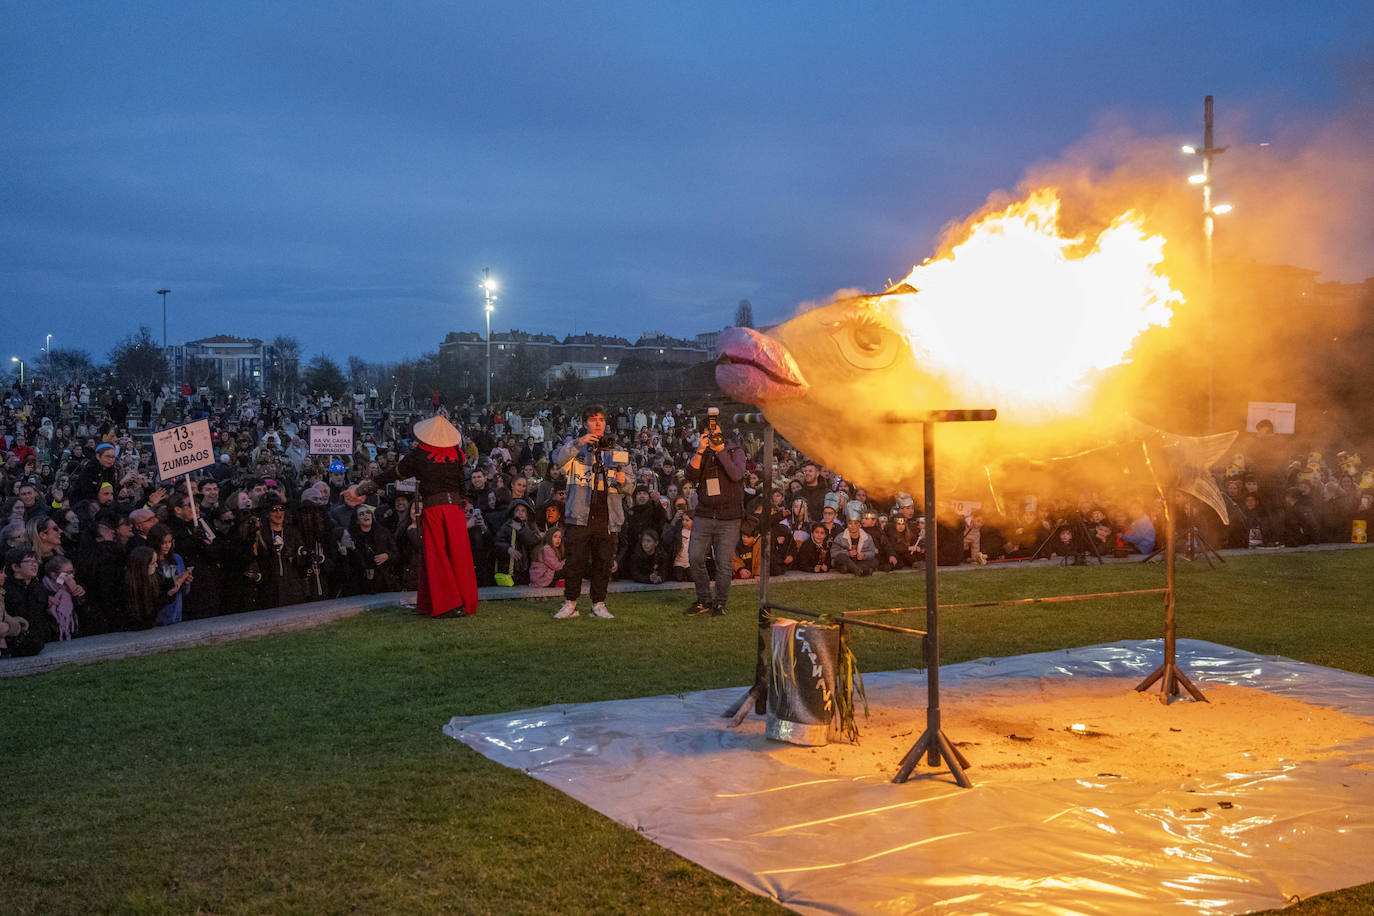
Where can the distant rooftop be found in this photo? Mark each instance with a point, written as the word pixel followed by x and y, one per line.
pixel 227 339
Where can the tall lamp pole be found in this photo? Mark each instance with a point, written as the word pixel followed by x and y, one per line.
pixel 488 286
pixel 47 348
pixel 163 293
pixel 15 359
pixel 1208 152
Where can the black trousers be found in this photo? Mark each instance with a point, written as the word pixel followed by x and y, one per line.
pixel 587 548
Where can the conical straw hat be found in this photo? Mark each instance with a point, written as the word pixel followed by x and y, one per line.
pixel 438 432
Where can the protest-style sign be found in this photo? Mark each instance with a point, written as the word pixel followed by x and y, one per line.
pixel 183 449
pixel 965 507
pixel 1282 414
pixel 331 440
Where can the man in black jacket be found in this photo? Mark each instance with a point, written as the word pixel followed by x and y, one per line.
pixel 191 538
pixel 717 470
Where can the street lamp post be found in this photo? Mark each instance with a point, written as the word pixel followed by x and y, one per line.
pixel 47 348
pixel 15 359
pixel 1208 152
pixel 163 293
pixel 488 286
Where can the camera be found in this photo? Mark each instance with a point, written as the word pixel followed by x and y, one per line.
pixel 607 453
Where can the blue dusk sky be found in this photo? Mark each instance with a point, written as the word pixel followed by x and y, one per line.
pixel 342 171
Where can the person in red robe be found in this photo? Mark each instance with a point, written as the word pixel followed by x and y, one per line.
pixel 447 578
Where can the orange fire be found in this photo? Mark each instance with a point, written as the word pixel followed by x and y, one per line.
pixel 1020 316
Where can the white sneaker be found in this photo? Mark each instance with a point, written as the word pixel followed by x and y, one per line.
pixel 569 609
pixel 599 610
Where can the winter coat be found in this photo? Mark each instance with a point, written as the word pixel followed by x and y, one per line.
pixel 810 555
pixel 841 543
pixel 545 566
pixel 727 468
pixel 523 536
pixel 577 463
pixel 371 577
pixel 640 566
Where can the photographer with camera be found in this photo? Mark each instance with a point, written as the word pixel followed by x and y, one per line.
pixel 717 471
pixel 594 512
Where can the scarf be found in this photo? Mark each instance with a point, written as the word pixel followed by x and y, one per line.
pixel 442 454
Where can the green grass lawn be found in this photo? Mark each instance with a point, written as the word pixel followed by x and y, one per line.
pixel 307 772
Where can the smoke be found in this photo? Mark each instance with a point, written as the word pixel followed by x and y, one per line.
pixel 1281 317
pixel 1285 317
pixel 813 304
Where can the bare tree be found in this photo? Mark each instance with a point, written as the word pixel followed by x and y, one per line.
pixel 202 373
pixel 138 362
pixel 286 377
pixel 68 366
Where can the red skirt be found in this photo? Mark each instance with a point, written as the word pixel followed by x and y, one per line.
pixel 447 579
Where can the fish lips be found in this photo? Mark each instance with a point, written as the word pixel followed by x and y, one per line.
pixel 755 368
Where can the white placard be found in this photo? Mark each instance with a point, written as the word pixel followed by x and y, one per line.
pixel 965 507
pixel 183 449
pixel 331 440
pixel 1282 415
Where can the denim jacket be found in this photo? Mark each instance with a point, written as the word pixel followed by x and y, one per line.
pixel 576 462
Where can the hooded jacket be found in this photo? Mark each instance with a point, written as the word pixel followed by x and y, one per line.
pixel 521 535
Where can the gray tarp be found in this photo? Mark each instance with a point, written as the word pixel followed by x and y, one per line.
pixel 669 767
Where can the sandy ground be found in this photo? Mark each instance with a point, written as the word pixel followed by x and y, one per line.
pixel 1054 728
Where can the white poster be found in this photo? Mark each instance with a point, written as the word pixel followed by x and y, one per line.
pixel 1282 415
pixel 331 440
pixel 183 449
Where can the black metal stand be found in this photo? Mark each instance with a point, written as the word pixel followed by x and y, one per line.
pixel 1193 544
pixel 932 742
pixel 1081 535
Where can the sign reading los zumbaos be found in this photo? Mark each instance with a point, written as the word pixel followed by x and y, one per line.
pixel 183 449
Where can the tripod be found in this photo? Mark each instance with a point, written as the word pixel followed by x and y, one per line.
pixel 1078 528
pixel 1193 543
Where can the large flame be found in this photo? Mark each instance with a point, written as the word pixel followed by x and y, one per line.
pixel 1019 316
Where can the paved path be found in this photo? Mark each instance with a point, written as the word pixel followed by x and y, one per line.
pixel 300 616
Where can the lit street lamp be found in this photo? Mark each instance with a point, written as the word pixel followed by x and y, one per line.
pixel 1204 178
pixel 488 286
pixel 15 359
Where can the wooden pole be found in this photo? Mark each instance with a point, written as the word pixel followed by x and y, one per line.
pixel 195 516
pixel 1173 680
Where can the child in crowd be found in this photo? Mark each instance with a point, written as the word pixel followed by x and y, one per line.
pixel 546 568
pixel 814 555
pixel 748 551
pixel 65 594
pixel 644 562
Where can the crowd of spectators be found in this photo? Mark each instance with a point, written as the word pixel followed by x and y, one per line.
pixel 95 543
